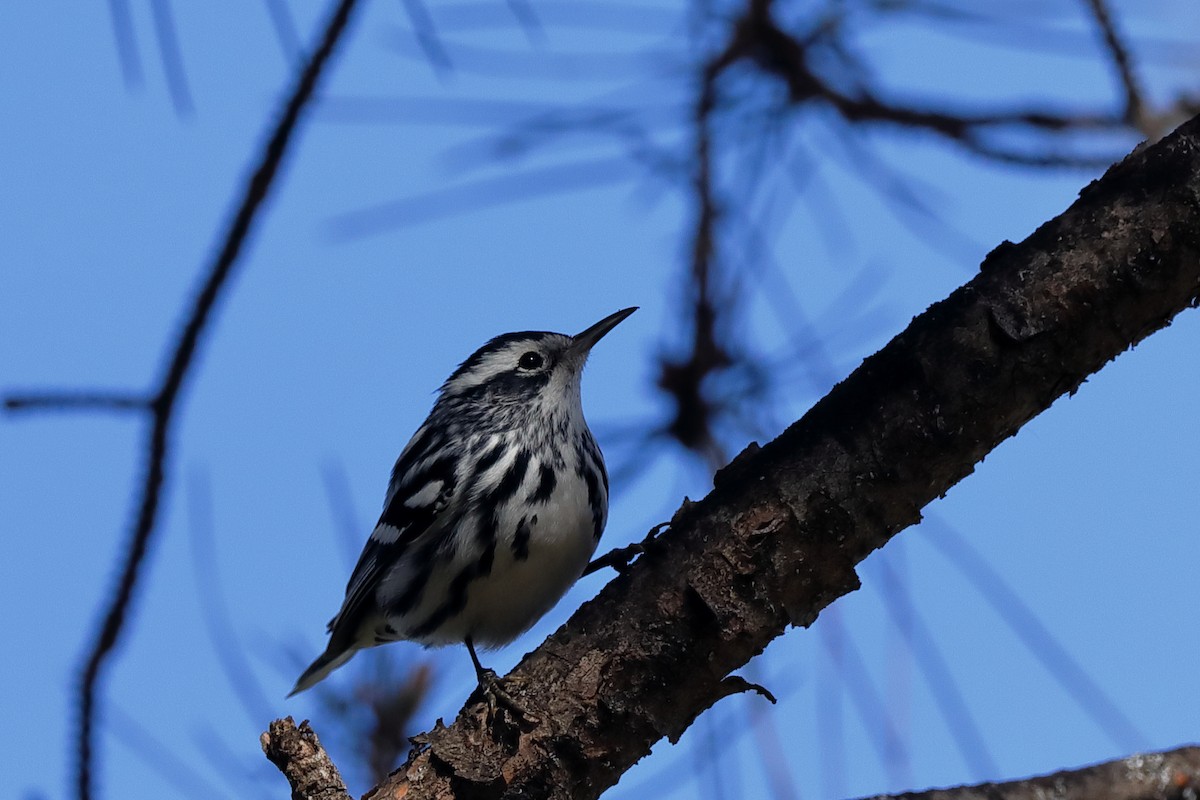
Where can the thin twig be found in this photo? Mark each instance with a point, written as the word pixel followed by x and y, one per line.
pixel 947 697
pixel 1135 107
pixel 76 401
pixel 686 379
pixel 160 756
pixel 127 53
pixel 1070 674
pixel 218 622
pixel 481 194
pixel 163 405
pixel 758 38
pixel 528 19
pixel 427 36
pixel 172 58
pixel 284 27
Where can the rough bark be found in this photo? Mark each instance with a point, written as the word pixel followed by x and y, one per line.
pixel 299 755
pixel 1171 775
pixel 1167 775
pixel 778 538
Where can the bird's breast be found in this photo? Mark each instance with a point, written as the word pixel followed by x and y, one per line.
pixel 543 541
pixel 520 536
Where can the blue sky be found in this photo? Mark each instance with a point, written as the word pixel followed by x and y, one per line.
pixel 327 348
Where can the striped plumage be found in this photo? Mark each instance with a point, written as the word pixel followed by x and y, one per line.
pixel 494 508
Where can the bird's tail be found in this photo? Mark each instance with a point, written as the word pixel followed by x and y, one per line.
pixel 326 663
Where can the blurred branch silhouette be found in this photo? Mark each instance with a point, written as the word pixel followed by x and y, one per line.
pixel 161 402
pixel 127 52
pixel 816 64
pixel 763 71
pixel 218 621
pixel 78 401
pixel 1072 676
pixel 968 739
pixel 172 57
pixel 780 535
pixel 1135 108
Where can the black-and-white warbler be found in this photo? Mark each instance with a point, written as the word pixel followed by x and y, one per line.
pixel 493 511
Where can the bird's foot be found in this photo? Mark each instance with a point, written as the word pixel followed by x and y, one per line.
pixel 498 699
pixel 620 558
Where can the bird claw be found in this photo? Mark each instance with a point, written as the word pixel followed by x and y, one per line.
pixel 496 698
pixel 621 558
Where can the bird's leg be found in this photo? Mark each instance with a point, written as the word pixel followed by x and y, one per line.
pixel 619 558
pixel 493 692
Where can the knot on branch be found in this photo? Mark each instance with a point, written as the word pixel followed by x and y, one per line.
pixel 299 756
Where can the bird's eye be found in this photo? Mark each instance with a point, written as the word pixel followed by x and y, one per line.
pixel 530 360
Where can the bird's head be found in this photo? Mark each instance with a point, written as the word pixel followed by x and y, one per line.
pixel 528 366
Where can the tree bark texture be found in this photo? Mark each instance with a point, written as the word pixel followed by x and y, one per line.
pixel 299 755
pixel 1172 775
pixel 778 538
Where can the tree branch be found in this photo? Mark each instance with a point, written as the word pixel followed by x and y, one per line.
pixel 77 401
pixel 162 405
pixel 1135 107
pixel 777 51
pixel 778 538
pixel 299 755
pixel 1170 775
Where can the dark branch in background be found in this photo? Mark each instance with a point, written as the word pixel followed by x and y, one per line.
pixel 284 27
pixel 76 401
pixel 158 753
pixel 707 376
pixel 529 21
pixel 172 58
pixel 230 764
pixel 427 36
pixel 390 697
pixel 778 538
pixel 768 56
pixel 127 53
pixel 218 622
pixel 340 499
pixel 161 403
pixel 873 712
pixel 829 708
pixel 485 193
pixel 939 680
pixel 759 40
pixel 1135 106
pixel 685 380
pixel 1043 645
pixel 800 60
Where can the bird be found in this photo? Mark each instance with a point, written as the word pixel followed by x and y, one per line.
pixel 493 510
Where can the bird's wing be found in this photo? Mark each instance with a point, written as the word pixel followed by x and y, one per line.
pixel 418 498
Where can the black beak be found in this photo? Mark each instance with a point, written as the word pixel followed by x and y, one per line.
pixel 584 341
